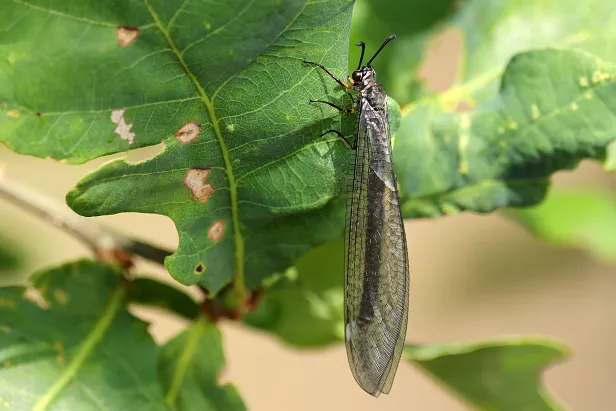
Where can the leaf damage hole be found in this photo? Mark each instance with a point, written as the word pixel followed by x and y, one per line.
pixel 122 129
pixel 200 269
pixel 126 35
pixel 216 231
pixel 195 181
pixel 188 133
pixel 138 155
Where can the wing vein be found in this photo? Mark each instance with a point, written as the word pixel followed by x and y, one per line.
pixel 376 267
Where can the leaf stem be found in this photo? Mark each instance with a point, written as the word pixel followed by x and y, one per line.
pixel 101 240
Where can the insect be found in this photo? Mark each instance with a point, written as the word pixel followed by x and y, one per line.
pixel 376 291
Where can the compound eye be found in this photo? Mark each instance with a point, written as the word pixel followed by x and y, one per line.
pixel 356 76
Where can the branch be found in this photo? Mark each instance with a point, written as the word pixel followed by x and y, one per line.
pixel 105 243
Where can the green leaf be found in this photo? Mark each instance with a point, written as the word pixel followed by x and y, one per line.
pixel 492 376
pixel 555 107
pixel 484 159
pixel 414 22
pixel 75 346
pixel 8 260
pixel 494 31
pixel 190 367
pixel 151 292
pixel 305 306
pixel 584 218
pixel 224 87
pixel 11 257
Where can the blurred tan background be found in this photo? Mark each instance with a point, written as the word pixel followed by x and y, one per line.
pixel 472 277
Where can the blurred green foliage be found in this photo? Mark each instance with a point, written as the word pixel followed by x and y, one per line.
pixel 583 218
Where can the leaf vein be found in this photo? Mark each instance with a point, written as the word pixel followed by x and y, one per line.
pixel 109 110
pixel 86 348
pixel 183 364
pixel 64 15
pixel 265 48
pixel 239 242
pixel 291 154
pixel 219 29
pixel 175 15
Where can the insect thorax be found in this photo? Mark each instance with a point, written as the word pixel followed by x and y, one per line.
pixel 376 96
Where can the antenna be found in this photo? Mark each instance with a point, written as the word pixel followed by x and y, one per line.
pixel 387 40
pixel 363 48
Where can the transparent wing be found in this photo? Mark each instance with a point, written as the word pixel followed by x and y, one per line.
pixel 376 269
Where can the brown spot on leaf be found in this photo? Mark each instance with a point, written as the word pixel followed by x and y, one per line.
pixel 252 302
pixel 194 180
pixel 200 269
pixel 123 129
pixel 60 296
pixel 13 113
pixel 127 35
pixel 60 348
pixel 216 231
pixel 188 133
pixel 38 114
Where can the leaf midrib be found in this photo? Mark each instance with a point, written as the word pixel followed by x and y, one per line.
pixel 237 234
pixel 86 348
pixel 184 362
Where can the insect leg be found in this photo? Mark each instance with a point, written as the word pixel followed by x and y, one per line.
pixel 352 99
pixel 342 83
pixel 344 110
pixel 339 134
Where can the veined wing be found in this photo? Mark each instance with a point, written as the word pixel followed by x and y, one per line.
pixel 376 269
